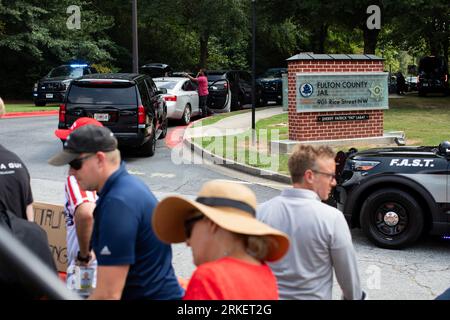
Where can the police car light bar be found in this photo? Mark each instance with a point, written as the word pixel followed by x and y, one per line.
pixel 78 65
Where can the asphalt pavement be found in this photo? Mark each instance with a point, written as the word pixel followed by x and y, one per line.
pixel 419 272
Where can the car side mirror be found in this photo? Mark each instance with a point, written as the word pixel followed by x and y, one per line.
pixel 444 148
pixel 161 91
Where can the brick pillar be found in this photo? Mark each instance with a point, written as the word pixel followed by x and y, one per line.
pixel 303 126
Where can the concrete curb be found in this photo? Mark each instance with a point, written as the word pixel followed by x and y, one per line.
pixel 29 114
pixel 266 174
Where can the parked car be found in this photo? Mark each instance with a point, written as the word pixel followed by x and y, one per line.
pixel 181 97
pixel 433 75
pixel 156 70
pixel 411 83
pixel 52 88
pixel 129 104
pixel 392 83
pixel 395 194
pixel 270 84
pixel 240 85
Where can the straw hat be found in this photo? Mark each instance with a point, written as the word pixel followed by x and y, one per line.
pixel 231 206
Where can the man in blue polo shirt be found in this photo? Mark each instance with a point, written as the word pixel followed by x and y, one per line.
pixel 132 262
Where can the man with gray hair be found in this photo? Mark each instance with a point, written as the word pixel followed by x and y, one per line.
pixel 320 237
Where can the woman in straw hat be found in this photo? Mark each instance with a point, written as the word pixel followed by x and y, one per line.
pixel 229 245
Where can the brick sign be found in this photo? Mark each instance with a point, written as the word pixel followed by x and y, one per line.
pixel 318 92
pixel 328 94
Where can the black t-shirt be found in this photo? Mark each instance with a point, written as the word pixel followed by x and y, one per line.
pixel 15 189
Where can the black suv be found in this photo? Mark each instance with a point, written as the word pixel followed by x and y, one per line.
pixel 395 194
pixel 128 104
pixel 156 70
pixel 270 84
pixel 433 75
pixel 240 83
pixel 52 88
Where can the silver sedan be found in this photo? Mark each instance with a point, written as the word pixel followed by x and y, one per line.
pixel 181 97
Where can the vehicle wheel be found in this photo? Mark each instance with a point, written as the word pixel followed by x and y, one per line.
pixel 279 102
pixel 186 117
pixel 422 93
pixel 39 103
pixel 164 130
pixel 391 218
pixel 148 148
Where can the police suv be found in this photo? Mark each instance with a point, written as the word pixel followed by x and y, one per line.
pixel 52 88
pixel 395 194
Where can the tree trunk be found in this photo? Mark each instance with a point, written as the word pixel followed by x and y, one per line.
pixel 318 38
pixel 370 40
pixel 445 47
pixel 203 50
pixel 322 38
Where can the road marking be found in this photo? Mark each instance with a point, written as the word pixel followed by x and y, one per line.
pixel 162 175
pixel 264 184
pixel 136 173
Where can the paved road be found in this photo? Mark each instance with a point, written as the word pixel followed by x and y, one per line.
pixel 420 272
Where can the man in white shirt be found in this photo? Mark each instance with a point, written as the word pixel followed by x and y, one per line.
pixel 320 237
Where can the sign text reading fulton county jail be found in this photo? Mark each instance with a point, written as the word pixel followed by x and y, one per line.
pixel 341 91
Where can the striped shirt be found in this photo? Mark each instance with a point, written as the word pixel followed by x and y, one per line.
pixel 74 197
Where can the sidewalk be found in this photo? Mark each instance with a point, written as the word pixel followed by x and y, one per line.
pixel 230 126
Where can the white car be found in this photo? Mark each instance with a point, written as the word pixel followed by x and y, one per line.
pixel 181 97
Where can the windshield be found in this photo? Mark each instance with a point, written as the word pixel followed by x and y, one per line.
pixel 215 77
pixel 102 95
pixel 65 71
pixel 166 84
pixel 274 73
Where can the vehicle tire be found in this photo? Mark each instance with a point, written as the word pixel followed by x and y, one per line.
pixel 164 129
pixel 186 117
pixel 279 102
pixel 40 103
pixel 422 93
pixel 148 148
pixel 391 218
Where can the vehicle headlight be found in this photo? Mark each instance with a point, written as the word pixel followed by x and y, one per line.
pixel 35 86
pixel 359 165
pixel 66 84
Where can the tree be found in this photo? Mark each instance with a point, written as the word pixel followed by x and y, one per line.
pixel 34 37
pixel 424 26
pixel 212 18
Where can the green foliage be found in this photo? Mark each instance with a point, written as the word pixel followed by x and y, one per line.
pixel 217 34
pixel 35 38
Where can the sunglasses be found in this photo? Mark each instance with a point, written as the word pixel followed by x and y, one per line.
pixel 189 225
pixel 77 163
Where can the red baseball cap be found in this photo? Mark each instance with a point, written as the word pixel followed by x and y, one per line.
pixel 63 133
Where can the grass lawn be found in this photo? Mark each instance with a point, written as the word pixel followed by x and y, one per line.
pixel 28 107
pixel 425 121
pixel 217 117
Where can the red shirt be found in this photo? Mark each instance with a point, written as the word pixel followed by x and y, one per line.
pixel 202 86
pixel 232 279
